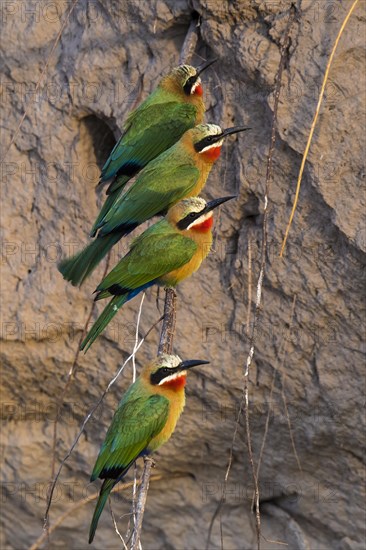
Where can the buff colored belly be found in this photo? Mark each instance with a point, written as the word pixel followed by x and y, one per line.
pixel 175 410
pixel 174 277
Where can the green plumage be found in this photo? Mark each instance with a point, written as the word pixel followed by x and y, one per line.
pixel 106 488
pixel 140 417
pixel 104 318
pixel 108 203
pixel 161 184
pixel 156 252
pixel 149 130
pixel 167 179
pixel 77 268
pixel 145 419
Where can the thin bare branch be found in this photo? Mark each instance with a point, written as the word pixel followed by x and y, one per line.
pixel 249 309
pixel 169 321
pixel 269 178
pixel 293 528
pixel 70 376
pixel 72 509
pixel 140 508
pixel 284 399
pixel 168 328
pixel 165 346
pixel 224 489
pixel 244 402
pixel 133 380
pixel 282 352
pixel 190 42
pixel 88 417
pixel 136 339
pixel 115 525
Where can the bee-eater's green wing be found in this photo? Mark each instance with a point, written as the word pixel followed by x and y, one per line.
pixel 135 423
pixel 155 191
pixel 156 252
pixel 150 131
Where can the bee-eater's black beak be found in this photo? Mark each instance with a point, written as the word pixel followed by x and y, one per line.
pixel 234 130
pixel 205 66
pixel 190 218
pixel 218 137
pixel 185 365
pixel 215 203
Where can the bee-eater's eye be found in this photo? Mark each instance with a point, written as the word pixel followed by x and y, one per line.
pixel 188 84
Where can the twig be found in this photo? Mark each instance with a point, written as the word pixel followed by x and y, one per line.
pixel 298 185
pixel 165 346
pixel 136 339
pixel 133 380
pixel 249 309
pixel 117 489
pixel 70 375
pixel 298 536
pixel 269 177
pixel 244 402
pixel 190 42
pixel 223 496
pixel 168 328
pixel 115 525
pixel 284 399
pixel 140 508
pixel 58 37
pixel 88 417
pixel 282 350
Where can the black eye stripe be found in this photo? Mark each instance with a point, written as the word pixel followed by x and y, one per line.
pixel 208 140
pixel 162 373
pixel 189 83
pixel 185 222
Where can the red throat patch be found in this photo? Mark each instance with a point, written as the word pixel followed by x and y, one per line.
pixel 176 384
pixel 212 154
pixel 198 90
pixel 204 226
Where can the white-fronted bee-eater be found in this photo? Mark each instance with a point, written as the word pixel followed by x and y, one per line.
pixel 172 108
pixel 165 254
pixel 145 419
pixel 179 172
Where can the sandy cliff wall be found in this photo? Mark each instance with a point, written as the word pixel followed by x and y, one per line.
pixel 110 56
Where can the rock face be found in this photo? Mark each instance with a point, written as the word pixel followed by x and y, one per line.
pixel 110 56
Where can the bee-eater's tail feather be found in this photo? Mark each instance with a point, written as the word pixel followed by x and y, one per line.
pixel 104 318
pixel 120 181
pixel 107 205
pixel 106 488
pixel 110 311
pixel 101 294
pixel 77 268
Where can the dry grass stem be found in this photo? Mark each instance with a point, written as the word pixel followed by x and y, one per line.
pixel 320 99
